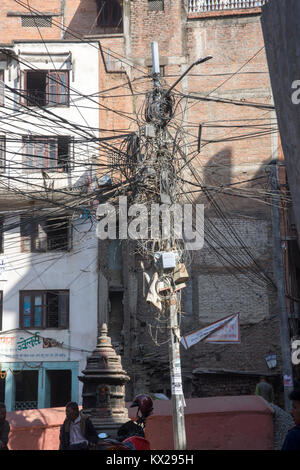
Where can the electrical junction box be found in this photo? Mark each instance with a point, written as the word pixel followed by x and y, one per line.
pixel 150 131
pixel 168 260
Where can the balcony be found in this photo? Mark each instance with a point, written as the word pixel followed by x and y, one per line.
pixel 203 6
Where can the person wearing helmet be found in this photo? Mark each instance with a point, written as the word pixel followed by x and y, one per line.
pixel 144 404
pixel 132 433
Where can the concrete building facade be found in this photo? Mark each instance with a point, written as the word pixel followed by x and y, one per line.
pixel 49 252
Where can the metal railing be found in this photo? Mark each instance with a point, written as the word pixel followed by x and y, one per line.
pixel 200 6
pixel 26 405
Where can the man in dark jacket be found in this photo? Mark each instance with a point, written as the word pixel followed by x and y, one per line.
pixel 77 432
pixel 292 440
pixel 4 428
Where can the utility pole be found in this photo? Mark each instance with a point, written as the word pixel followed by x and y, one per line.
pixel 178 402
pixel 159 112
pixel 279 275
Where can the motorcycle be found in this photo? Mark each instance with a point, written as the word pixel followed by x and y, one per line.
pixel 131 434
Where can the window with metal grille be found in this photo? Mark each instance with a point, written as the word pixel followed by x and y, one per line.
pixel 51 234
pixel 46 87
pixel 26 389
pixel 52 153
pixel 36 21
pixel 110 16
pixel 44 309
pixel 156 5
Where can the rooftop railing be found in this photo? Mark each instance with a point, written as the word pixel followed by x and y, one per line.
pixel 201 6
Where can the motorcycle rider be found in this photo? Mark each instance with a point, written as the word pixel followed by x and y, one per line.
pixel 132 433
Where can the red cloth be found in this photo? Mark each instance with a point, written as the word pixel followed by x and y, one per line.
pixel 139 443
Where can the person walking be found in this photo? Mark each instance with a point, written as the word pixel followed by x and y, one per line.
pixel 4 428
pixel 292 440
pixel 77 431
pixel 265 390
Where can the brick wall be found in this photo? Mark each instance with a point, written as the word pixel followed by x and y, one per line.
pixel 11 12
pixel 210 385
pixel 218 288
pixel 211 424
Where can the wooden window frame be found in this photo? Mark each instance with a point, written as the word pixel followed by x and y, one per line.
pixel 51 145
pixel 105 25
pixel 59 86
pixel 32 150
pixel 44 313
pixel 49 75
pixel 34 235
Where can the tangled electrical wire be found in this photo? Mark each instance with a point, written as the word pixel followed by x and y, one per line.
pixel 148 164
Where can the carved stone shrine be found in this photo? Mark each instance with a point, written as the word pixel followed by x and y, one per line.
pixel 103 394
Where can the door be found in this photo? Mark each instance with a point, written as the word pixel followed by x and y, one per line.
pixel 60 387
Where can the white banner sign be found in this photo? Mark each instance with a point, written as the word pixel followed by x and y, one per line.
pixel 229 333
pixel 225 330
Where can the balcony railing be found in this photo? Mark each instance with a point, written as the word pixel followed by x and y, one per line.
pixel 201 6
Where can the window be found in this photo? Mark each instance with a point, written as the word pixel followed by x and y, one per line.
pixel 52 153
pixel 2 87
pixel 44 309
pixel 46 88
pixel 60 385
pixel 51 234
pixel 36 21
pixel 110 16
pixel 156 5
pixel 26 389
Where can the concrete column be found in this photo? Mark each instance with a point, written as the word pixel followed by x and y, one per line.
pixel 43 389
pixel 10 390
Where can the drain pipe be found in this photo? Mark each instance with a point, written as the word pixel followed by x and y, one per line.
pixel 62 13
